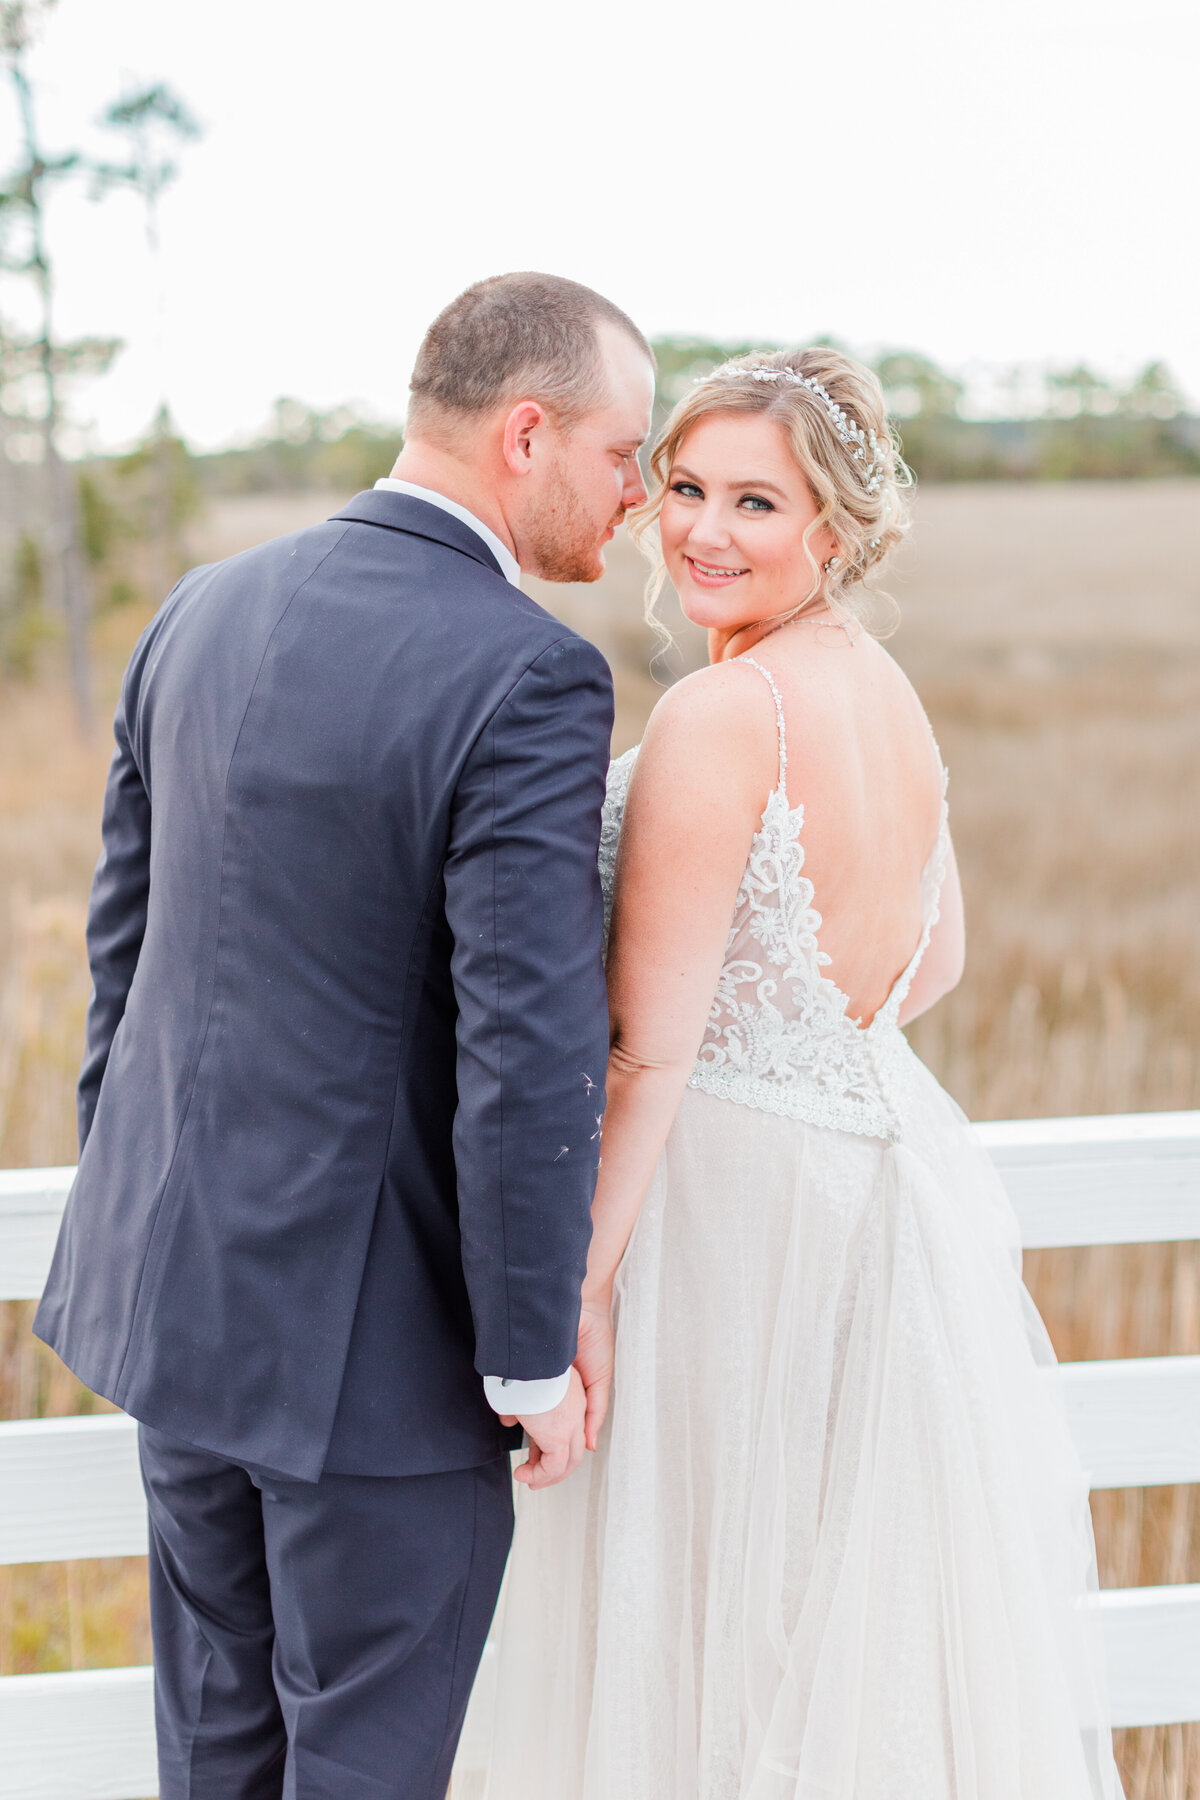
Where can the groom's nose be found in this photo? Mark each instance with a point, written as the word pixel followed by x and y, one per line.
pixel 634 490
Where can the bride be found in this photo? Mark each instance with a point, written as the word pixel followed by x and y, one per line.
pixel 834 1542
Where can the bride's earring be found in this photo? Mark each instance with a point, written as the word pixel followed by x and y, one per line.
pixel 832 564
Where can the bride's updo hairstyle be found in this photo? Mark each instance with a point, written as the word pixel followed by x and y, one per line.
pixel 831 411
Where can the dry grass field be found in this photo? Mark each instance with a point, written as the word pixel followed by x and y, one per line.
pixel 1054 633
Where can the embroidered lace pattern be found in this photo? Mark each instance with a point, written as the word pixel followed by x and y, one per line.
pixel 778 1036
pixel 615 796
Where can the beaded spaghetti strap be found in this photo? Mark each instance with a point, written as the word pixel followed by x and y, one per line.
pixel 771 683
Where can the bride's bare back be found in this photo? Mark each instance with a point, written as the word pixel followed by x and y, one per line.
pixel 865 769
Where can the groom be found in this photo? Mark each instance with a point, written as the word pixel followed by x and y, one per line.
pixel 340 1102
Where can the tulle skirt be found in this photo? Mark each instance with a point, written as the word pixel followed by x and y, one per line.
pixel 835 1543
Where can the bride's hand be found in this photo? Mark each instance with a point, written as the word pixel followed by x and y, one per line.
pixel 594 1360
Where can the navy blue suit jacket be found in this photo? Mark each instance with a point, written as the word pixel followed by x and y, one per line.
pixel 340 1102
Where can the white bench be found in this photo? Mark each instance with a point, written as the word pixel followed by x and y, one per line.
pixel 70 1487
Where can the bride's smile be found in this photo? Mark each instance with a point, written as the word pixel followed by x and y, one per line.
pixel 709 577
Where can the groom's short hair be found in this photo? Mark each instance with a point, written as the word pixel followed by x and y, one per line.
pixel 514 337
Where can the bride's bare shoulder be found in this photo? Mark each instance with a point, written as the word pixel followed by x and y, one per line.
pixel 713 728
pixel 713 701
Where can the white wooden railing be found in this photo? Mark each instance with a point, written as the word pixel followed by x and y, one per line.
pixel 70 1487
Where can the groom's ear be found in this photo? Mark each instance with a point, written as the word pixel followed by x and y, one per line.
pixel 520 430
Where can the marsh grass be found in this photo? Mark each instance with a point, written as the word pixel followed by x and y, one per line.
pixel 1054 634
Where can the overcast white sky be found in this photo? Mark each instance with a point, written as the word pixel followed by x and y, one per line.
pixel 989 182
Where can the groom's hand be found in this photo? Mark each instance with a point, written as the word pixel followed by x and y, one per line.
pixel 555 1439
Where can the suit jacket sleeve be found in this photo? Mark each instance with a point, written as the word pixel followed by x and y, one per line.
pixel 524 905
pixel 116 913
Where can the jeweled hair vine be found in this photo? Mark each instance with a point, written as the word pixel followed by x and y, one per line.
pixel 832 412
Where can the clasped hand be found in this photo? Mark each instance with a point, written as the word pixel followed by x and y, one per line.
pixel 557 1439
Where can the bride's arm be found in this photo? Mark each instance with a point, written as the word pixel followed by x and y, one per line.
pixel 705 768
pixel 942 964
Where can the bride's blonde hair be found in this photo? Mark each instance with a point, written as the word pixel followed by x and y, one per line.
pixel 832 412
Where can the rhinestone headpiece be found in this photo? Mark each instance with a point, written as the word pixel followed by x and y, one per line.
pixel 858 441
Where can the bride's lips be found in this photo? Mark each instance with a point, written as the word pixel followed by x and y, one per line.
pixel 712 575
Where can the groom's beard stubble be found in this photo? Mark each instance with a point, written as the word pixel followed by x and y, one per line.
pixel 565 542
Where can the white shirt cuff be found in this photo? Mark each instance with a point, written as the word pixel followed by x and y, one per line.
pixel 524 1397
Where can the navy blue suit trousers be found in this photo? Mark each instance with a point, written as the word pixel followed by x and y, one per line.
pixel 316 1640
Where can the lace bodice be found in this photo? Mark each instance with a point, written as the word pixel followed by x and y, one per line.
pixel 778 1036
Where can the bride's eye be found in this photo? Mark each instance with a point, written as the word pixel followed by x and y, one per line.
pixel 756 503
pixel 688 489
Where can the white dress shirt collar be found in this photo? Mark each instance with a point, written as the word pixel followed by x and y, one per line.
pixel 503 555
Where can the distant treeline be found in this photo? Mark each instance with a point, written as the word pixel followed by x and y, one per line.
pixel 1063 425
pixel 302 448
pixel 1060 424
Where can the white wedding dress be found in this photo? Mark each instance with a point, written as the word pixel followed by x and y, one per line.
pixel 835 1542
